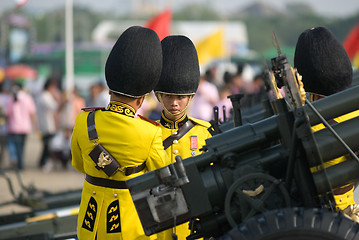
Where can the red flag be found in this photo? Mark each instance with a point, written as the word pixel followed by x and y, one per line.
pixel 351 45
pixel 20 3
pixel 161 24
pixel 351 42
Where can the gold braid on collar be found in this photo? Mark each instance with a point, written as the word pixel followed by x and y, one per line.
pixel 121 108
pixel 167 123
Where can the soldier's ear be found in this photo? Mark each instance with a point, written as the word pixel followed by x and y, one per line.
pixel 190 98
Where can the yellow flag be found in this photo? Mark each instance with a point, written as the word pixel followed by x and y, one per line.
pixel 211 47
pixel 355 60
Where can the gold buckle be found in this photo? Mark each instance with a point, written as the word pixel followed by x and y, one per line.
pixel 94 141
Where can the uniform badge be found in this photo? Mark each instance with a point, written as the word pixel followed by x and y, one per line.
pixel 113 218
pixel 90 215
pixel 194 145
pixel 104 160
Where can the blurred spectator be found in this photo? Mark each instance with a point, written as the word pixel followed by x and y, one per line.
pixel 213 75
pixel 260 90
pixel 210 74
pixel 21 114
pixel 235 83
pixel 49 104
pixel 71 106
pixel 255 92
pixel 78 103
pixel 60 148
pixel 4 100
pixel 224 105
pixel 205 99
pixel 99 95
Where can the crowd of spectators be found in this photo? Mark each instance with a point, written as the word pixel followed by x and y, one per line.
pixel 50 112
pixel 46 111
pixel 214 88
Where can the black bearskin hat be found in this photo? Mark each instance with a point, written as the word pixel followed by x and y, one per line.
pixel 323 62
pixel 134 65
pixel 180 69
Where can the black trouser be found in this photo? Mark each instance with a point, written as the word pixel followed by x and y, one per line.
pixel 2 148
pixel 45 151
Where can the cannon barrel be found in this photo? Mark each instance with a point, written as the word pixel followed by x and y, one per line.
pixel 328 145
pixel 273 153
pixel 336 176
pixel 335 105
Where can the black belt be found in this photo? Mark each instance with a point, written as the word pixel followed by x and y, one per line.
pixel 108 183
pixel 131 170
pixel 180 133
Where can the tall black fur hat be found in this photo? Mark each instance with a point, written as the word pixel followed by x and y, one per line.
pixel 180 70
pixel 134 65
pixel 323 62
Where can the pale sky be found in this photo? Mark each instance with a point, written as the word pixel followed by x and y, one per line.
pixel 336 8
pixel 330 8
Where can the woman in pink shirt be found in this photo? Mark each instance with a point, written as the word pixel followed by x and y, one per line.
pixel 21 114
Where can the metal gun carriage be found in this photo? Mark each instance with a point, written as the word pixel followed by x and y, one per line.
pixel 254 181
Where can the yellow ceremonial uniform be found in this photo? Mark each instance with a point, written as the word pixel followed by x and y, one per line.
pixel 187 146
pixel 109 213
pixel 344 200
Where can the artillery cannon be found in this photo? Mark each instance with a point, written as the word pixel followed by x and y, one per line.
pixel 51 215
pixel 254 180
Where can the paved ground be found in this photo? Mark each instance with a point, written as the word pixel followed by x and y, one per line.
pixel 55 181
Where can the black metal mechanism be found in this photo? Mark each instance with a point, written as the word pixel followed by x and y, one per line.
pixel 35 198
pixel 51 215
pixel 256 167
pixel 237 117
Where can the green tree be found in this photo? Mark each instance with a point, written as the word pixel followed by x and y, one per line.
pixel 50 27
pixel 196 12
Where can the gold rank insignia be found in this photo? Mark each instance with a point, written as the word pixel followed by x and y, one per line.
pixel 103 160
pixel 113 218
pixel 90 215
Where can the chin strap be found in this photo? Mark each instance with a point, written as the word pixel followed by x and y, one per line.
pixel 158 95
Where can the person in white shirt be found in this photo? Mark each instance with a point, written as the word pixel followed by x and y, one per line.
pixel 48 107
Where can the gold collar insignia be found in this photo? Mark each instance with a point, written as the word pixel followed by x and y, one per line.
pixel 121 108
pixel 167 123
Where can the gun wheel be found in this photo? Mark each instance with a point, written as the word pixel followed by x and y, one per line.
pixel 295 224
pixel 252 194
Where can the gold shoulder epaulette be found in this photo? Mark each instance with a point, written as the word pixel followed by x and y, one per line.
pixel 200 122
pixel 149 120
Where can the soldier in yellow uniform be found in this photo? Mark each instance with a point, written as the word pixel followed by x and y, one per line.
pixel 326 69
pixel 182 134
pixel 110 145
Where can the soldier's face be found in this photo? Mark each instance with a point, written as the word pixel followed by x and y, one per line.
pixel 175 104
